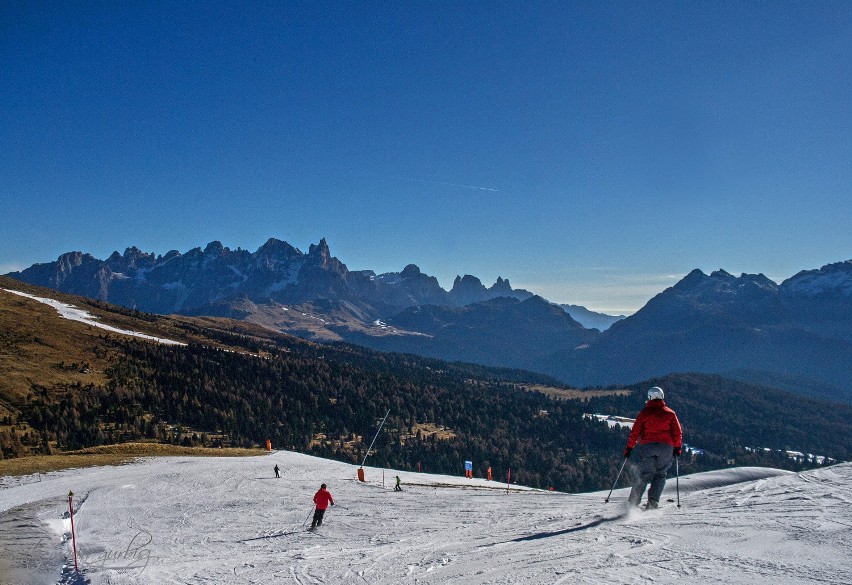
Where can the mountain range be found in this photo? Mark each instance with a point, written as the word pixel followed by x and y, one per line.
pixel 201 279
pixel 797 334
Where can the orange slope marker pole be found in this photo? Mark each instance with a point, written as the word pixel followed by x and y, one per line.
pixel 73 536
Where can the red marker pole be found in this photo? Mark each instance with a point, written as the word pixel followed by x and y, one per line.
pixel 508 481
pixel 73 536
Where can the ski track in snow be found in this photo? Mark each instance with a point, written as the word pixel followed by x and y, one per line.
pixel 223 520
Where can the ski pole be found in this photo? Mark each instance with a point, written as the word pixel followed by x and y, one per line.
pixel 677 479
pixel 306 519
pixel 606 501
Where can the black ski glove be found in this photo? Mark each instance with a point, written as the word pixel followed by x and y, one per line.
pixel 676 451
pixel 627 452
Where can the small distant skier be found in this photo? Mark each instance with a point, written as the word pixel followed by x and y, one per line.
pixel 396 488
pixel 659 434
pixel 276 471
pixel 322 499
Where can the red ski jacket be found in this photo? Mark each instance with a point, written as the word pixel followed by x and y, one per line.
pixel 322 499
pixel 657 423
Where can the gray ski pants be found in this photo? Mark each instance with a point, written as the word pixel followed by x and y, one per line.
pixel 654 462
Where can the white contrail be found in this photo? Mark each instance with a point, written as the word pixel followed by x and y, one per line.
pixel 459 185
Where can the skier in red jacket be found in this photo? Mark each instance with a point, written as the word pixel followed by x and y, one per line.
pixel 658 432
pixel 322 499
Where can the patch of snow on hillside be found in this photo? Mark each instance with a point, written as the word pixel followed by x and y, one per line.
pixel 76 314
pixel 239 274
pixel 612 420
pixel 822 283
pixel 391 278
pixel 291 278
pixel 177 285
pixel 797 455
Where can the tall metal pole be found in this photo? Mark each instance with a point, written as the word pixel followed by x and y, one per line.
pixel 367 454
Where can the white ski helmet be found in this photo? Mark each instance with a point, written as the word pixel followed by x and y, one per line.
pixel 656 393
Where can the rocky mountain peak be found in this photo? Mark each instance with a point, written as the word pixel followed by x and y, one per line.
pixel 133 253
pixel 410 271
pixel 320 250
pixel 70 260
pixel 320 256
pixel 467 282
pixel 761 280
pixel 501 286
pixel 276 254
pixel 721 282
pixel 695 278
pixel 276 247
pixel 133 257
pixel 214 248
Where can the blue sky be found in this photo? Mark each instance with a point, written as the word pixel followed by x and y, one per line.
pixel 593 153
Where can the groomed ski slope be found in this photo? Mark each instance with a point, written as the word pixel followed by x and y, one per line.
pixel 224 520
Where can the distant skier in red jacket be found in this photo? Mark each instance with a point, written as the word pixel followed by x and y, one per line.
pixel 658 432
pixel 322 499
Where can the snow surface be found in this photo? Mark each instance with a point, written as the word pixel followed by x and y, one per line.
pixel 76 314
pixel 813 285
pixel 613 421
pixel 291 278
pixel 224 520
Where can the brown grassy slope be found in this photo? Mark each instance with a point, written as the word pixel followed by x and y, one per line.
pixel 39 347
pixel 175 327
pixel 573 393
pixel 110 455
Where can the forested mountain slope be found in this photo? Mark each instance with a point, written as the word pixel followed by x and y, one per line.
pixel 240 388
